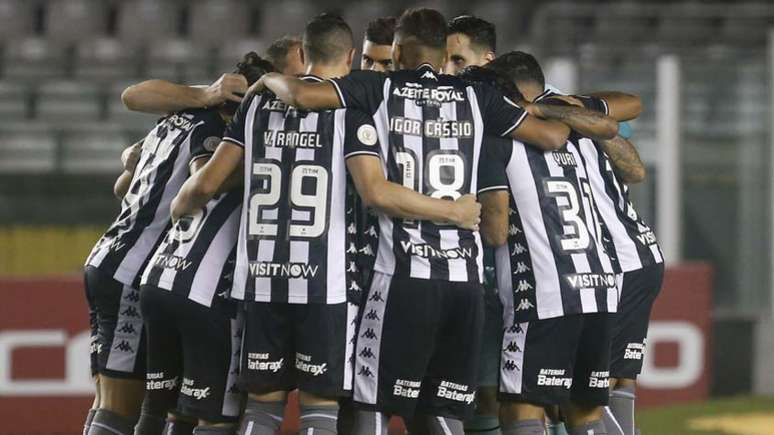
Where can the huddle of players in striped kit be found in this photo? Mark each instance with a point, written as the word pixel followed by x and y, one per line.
pixel 436 236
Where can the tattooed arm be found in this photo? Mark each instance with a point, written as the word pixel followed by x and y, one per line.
pixel 625 160
pixel 594 125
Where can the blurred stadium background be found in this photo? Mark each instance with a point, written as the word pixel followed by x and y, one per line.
pixel 705 71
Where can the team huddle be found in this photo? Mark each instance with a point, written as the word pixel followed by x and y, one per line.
pixel 439 236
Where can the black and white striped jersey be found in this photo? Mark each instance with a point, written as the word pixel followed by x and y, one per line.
pixel 630 241
pixel 430 127
pixel 553 263
pixel 162 169
pixel 297 237
pixel 196 258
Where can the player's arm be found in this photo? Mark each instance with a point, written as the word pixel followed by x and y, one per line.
pixel 129 158
pixel 401 202
pixel 625 159
pixel 299 93
pixel 161 96
pixel 587 123
pixel 208 180
pixel 548 135
pixel 620 105
pixel 494 217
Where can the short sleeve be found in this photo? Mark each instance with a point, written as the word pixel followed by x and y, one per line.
pixel 362 90
pixel 360 137
pixel 495 154
pixel 596 104
pixel 501 115
pixel 235 131
pixel 206 136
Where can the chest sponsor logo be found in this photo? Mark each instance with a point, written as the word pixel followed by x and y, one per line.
pixel 283 270
pixel 182 122
pixel 427 251
pixel 590 280
pixel 275 106
pixel 432 128
pixel 431 97
pixel 292 139
pixel 554 378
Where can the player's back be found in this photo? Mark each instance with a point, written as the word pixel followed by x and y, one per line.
pixel 294 243
pixel 554 262
pixel 166 152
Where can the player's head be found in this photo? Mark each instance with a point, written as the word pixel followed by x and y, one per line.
pixel 328 42
pixel 471 41
pixel 420 37
pixel 285 55
pixel 491 77
pixel 523 70
pixel 377 45
pixel 252 67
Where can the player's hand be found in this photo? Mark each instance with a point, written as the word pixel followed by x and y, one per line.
pixel 229 87
pixel 131 156
pixel 258 87
pixel 467 212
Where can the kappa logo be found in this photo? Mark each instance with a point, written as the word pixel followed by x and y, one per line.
pixel 132 296
pixel 354 286
pixel 367 250
pixel 352 267
pixel 376 297
pixel 513 230
pixel 429 75
pixel 372 315
pixel 513 347
pixel 369 334
pixel 523 286
pixel 367 353
pixel 518 248
pixel 521 267
pixel 524 305
pixel 351 229
pixel 123 346
pixel 511 366
pixel 516 329
pixel 352 249
pixel 512 211
pixel 366 372
pixel 131 312
pixel 371 231
pixel 127 328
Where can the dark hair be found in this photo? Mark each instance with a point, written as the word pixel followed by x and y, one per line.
pixel 326 38
pixel 491 77
pixel 426 26
pixel 481 32
pixel 519 67
pixel 252 67
pixel 381 31
pixel 277 52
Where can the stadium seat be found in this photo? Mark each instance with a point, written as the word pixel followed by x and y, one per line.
pixel 147 20
pixel 212 22
pixel 177 59
pixel 106 59
pixel 14 102
pixel 75 20
pixel 28 150
pixel 94 149
pixel 360 13
pixel 119 114
pixel 34 59
pixel 16 18
pixel 294 13
pixel 231 53
pixel 67 102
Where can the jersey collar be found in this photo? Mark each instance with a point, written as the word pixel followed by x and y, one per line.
pixel 545 94
pixel 425 65
pixel 311 78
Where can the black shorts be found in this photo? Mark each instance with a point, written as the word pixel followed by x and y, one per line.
pixel 553 361
pixel 195 350
pixel 418 346
pixel 117 338
pixel 304 346
pixel 630 324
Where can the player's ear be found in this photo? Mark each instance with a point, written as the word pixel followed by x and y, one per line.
pixel 489 56
pixel 301 54
pixel 396 52
pixel 351 57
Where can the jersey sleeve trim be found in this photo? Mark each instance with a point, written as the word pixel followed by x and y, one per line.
pixel 195 158
pixel 604 103
pixel 339 93
pixel 234 141
pixel 492 188
pixel 515 124
pixel 358 153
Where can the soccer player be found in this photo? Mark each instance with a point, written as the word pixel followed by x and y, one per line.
pixel 425 299
pixel 555 279
pixel 113 268
pixel 377 45
pixel 285 55
pixel 295 246
pixel 193 333
pixel 471 41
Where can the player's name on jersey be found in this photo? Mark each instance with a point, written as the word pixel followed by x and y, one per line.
pixel 181 121
pixel 429 96
pixel 283 270
pixel 564 159
pixel 590 280
pixel 432 128
pixel 427 251
pixel 300 139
